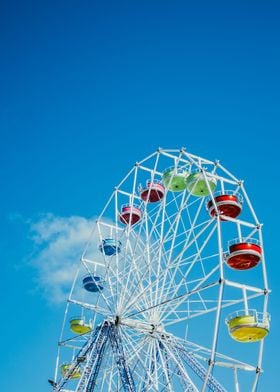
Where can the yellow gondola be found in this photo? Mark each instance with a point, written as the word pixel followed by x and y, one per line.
pixel 78 326
pixel 74 374
pixel 248 326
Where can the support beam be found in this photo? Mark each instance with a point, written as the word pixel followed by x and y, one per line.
pixel 124 370
pixel 200 370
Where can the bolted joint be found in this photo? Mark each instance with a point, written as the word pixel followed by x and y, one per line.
pixel 153 329
pixel 136 164
pixel 210 362
pixel 258 369
pixel 265 291
pixel 81 359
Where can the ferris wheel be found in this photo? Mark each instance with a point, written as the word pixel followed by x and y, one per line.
pixel 171 290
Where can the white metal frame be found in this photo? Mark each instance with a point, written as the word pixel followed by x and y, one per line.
pixel 169 276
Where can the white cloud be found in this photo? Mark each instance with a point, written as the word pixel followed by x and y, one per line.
pixel 58 243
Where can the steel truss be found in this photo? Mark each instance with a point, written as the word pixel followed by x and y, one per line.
pixel 92 354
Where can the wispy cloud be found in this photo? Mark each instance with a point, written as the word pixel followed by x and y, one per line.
pixel 58 244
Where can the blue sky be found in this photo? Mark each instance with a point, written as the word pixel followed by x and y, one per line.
pixel 88 89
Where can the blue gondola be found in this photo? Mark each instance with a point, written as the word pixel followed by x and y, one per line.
pixel 92 283
pixel 110 247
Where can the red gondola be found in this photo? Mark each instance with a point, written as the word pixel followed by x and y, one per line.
pixel 244 255
pixel 227 204
pixel 152 192
pixel 130 214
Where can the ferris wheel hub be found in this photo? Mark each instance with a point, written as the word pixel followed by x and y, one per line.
pixel 140 325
